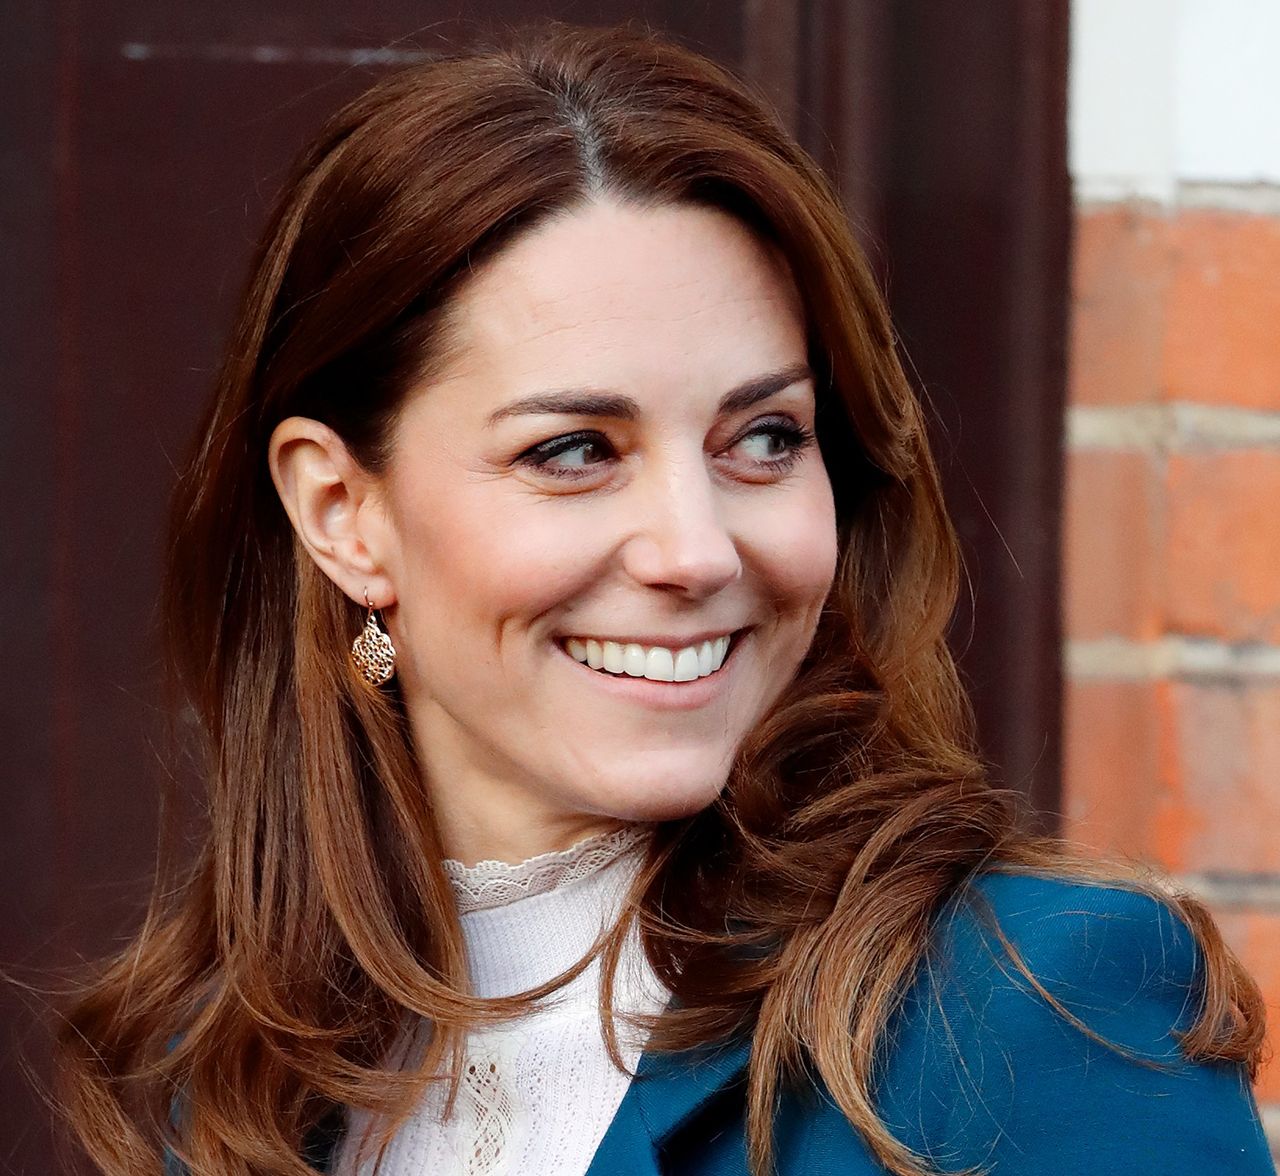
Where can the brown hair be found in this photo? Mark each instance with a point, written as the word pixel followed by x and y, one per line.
pixel 265 988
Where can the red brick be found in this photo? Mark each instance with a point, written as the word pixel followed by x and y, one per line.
pixel 1120 276
pixel 1176 825
pixel 1226 740
pixel 1111 765
pixel 1144 778
pixel 1255 937
pixel 1224 544
pixel 1113 545
pixel 1222 336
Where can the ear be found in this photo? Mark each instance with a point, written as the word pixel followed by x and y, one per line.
pixel 335 506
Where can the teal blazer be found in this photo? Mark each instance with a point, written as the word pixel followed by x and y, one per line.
pixel 982 1071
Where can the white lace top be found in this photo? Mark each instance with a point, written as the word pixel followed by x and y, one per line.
pixel 539 1093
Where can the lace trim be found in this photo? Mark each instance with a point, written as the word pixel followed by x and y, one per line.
pixel 486 1135
pixel 491 884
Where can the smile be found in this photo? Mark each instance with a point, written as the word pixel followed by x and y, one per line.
pixel 657 663
pixel 682 668
pixel 662 694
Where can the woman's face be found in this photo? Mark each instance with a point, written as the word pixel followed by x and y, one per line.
pixel 615 461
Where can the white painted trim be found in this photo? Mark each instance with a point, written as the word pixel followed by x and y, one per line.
pixel 1228 91
pixel 1122 101
pixel 1162 92
pixel 1185 658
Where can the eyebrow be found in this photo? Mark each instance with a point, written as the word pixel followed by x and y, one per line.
pixel 595 402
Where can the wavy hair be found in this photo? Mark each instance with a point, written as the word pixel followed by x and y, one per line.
pixel 270 979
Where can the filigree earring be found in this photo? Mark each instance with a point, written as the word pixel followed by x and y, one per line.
pixel 372 652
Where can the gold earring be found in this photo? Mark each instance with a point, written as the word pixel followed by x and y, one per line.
pixel 372 652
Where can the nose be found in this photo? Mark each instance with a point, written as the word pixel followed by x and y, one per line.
pixel 682 541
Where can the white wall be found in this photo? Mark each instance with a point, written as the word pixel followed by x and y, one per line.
pixel 1167 93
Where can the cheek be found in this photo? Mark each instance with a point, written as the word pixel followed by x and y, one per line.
pixel 486 569
pixel 797 547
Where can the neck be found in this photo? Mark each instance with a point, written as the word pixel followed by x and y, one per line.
pixel 470 839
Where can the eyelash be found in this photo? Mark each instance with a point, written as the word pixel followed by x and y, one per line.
pixel 540 456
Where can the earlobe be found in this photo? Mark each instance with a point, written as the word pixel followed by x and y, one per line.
pixel 323 490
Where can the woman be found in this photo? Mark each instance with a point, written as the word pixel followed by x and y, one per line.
pixel 561 387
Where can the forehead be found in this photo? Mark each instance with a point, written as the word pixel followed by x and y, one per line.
pixel 617 294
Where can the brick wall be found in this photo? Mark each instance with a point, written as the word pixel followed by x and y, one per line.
pixel 1173 557
pixel 1172 530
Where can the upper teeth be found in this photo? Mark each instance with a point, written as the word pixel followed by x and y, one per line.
pixel 650 661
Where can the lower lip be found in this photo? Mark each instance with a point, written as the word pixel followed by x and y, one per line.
pixel 670 696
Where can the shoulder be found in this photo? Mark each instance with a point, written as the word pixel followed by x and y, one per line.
pixel 982 1067
pixel 1119 964
pixel 1116 951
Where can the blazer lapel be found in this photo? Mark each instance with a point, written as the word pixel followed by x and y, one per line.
pixel 667 1092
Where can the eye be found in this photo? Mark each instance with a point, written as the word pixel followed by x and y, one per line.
pixel 778 445
pixel 784 442
pixel 575 447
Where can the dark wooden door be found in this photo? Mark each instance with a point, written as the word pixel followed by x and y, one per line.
pixel 142 141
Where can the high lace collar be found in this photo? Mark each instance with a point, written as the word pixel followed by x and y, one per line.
pixel 489 884
pixel 526 922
